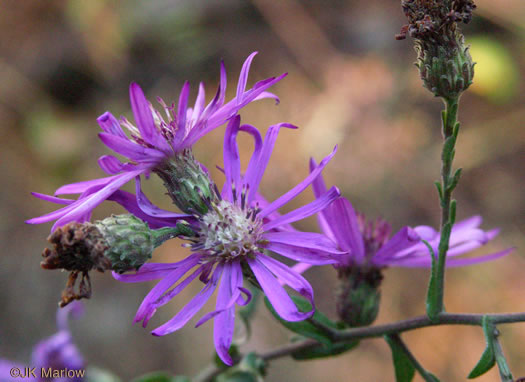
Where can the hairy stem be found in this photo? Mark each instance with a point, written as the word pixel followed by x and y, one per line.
pixel 504 370
pixel 450 128
pixel 349 335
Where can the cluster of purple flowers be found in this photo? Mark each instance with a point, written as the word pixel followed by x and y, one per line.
pixel 238 229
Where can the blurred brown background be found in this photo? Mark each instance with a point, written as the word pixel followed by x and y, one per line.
pixel 63 63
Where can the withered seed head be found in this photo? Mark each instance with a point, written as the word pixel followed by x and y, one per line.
pixel 76 247
pixel 79 248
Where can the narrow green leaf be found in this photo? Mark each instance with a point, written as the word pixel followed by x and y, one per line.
pixel 439 189
pixel 456 129
pixel 322 351
pixel 403 366
pixel 432 302
pixel 445 237
pixel 452 215
pixel 488 358
pixel 454 180
pixel 305 328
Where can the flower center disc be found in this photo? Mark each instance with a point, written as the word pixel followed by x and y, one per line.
pixel 230 231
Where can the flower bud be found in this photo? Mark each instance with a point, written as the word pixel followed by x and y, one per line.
pixel 119 243
pixel 188 184
pixel 444 62
pixel 445 72
pixel 358 295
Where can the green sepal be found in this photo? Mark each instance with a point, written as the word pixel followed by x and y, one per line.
pixel 305 328
pixel 322 351
pixel 403 367
pixel 432 295
pixel 160 376
pixel 488 358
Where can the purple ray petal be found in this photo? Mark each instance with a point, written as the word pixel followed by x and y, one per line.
pixel 183 106
pixel 262 203
pixel 110 164
pixel 222 85
pixel 110 124
pixel 301 267
pixel 243 77
pixel 304 211
pixel 281 302
pixel 143 115
pixel 282 200
pixel 129 202
pixel 426 232
pixel 131 150
pixel 307 255
pixel 343 222
pixel 232 165
pixel 88 204
pixel 258 144
pixel 148 272
pixel 148 207
pixel 315 241
pixel 405 238
pixel 319 188
pixel 479 259
pixel 265 95
pixel 162 286
pixel 224 322
pixel 52 199
pixel 189 310
pixel 199 103
pixel 80 187
pixel 254 174
pixel 167 296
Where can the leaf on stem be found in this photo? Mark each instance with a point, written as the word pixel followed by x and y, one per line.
pixel 403 366
pixel 488 358
pixel 321 351
pixel 454 180
pixel 305 328
pixel 432 302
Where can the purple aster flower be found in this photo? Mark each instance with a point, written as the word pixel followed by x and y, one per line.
pixel 368 247
pixel 154 143
pixel 57 352
pixel 371 242
pixel 231 241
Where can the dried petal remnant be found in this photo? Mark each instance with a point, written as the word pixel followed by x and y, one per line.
pixel 78 248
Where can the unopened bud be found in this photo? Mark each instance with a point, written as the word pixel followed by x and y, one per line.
pixel 444 62
pixel 358 295
pixel 119 243
pixel 446 72
pixel 188 184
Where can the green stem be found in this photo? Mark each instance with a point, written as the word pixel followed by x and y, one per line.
pixel 448 183
pixel 352 334
pixel 420 369
pixel 167 233
pixel 504 370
